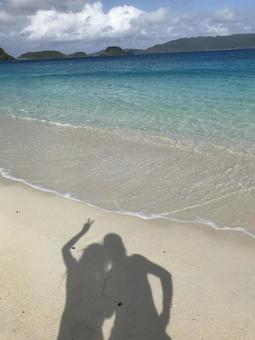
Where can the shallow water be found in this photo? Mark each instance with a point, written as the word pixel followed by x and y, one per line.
pixel 170 135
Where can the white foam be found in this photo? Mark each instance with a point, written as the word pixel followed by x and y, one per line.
pixel 4 173
pixel 48 122
pixel 153 216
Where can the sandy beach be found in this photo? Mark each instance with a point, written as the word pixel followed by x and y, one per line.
pixel 212 273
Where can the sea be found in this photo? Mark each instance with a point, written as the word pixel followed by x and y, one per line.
pixel 168 136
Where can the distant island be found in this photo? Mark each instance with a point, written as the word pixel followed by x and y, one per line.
pixel 50 55
pixel 196 44
pixel 203 44
pixel 114 51
pixel 4 56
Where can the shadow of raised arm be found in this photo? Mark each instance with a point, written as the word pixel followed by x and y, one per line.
pixel 66 250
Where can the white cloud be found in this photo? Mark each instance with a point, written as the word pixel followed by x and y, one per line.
pixel 217 29
pixel 91 22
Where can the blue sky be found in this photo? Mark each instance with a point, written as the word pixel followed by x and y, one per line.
pixel 90 25
pixel 184 5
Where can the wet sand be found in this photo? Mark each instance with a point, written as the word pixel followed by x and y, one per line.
pixel 132 171
pixel 213 273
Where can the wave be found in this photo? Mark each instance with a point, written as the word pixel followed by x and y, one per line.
pixel 49 122
pixel 145 216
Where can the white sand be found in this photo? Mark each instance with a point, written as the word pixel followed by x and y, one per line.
pixel 213 272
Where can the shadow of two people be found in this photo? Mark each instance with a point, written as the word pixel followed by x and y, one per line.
pixel 105 281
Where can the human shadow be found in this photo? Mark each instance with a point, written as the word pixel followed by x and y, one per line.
pixel 85 308
pixel 106 282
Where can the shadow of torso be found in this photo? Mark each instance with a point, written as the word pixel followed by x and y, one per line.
pixel 129 289
pixel 85 309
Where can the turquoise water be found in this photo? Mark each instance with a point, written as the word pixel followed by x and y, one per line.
pixel 167 136
pixel 202 96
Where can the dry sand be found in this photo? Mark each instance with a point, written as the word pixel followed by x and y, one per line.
pixel 213 272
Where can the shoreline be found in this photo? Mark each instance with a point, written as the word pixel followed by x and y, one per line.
pixel 150 177
pixel 154 216
pixel 212 272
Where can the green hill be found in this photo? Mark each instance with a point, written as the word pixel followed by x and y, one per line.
pixel 4 56
pixel 50 55
pixel 115 51
pixel 42 55
pixel 231 42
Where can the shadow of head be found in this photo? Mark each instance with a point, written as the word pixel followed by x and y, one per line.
pixel 114 247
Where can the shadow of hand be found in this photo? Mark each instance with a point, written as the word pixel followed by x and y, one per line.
pixel 87 225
